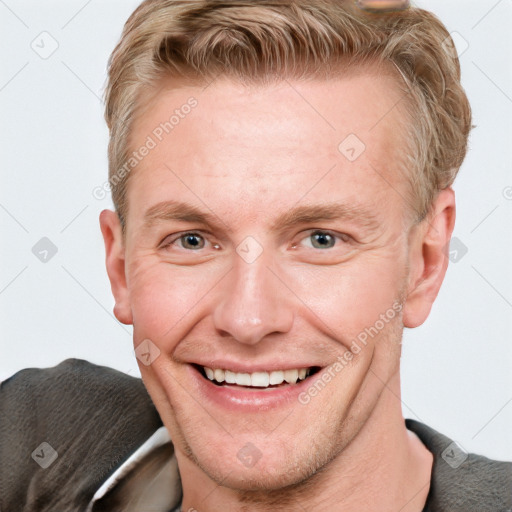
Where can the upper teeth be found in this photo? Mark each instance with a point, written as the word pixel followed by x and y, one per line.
pixel 257 379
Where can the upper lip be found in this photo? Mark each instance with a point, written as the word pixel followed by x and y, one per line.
pixel 245 367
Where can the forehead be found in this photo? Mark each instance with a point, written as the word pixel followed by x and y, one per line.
pixel 305 138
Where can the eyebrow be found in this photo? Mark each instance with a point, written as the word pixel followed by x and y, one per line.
pixel 310 214
pixel 306 214
pixel 179 211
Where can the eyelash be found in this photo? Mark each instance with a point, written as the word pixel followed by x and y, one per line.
pixel 179 236
pixel 343 237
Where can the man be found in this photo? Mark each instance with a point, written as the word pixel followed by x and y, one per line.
pixel 281 173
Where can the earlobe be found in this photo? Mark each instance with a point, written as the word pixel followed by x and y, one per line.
pixel 428 258
pixel 115 263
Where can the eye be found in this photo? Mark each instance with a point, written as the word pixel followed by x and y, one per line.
pixel 320 239
pixel 190 241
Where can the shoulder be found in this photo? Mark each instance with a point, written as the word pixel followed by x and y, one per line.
pixel 87 419
pixel 75 390
pixel 464 481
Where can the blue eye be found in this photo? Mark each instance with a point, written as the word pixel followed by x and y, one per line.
pixel 323 239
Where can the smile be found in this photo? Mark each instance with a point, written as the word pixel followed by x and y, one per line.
pixel 249 391
pixel 260 379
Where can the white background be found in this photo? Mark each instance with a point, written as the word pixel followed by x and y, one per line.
pixel 456 368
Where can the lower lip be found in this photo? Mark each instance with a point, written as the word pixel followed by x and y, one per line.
pixel 249 399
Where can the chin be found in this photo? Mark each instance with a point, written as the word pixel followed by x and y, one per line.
pixel 263 477
pixel 273 467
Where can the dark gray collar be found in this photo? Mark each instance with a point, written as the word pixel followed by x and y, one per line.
pixel 463 482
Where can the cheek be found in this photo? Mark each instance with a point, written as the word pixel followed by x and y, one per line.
pixel 162 297
pixel 347 299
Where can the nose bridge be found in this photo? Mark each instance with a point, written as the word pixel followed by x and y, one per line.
pixel 253 303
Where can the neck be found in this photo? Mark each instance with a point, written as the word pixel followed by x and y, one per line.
pixel 384 468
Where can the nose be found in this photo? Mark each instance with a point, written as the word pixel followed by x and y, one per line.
pixel 253 303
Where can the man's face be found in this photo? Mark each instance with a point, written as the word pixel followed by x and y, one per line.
pixel 302 248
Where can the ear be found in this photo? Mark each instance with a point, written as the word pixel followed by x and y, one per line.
pixel 115 262
pixel 428 258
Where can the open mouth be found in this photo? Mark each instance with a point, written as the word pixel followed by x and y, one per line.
pixel 259 380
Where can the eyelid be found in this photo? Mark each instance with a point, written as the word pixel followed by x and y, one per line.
pixel 344 237
pixel 173 237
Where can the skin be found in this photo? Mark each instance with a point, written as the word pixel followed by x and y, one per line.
pixel 248 154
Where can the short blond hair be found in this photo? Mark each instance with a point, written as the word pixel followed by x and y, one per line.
pixel 261 40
